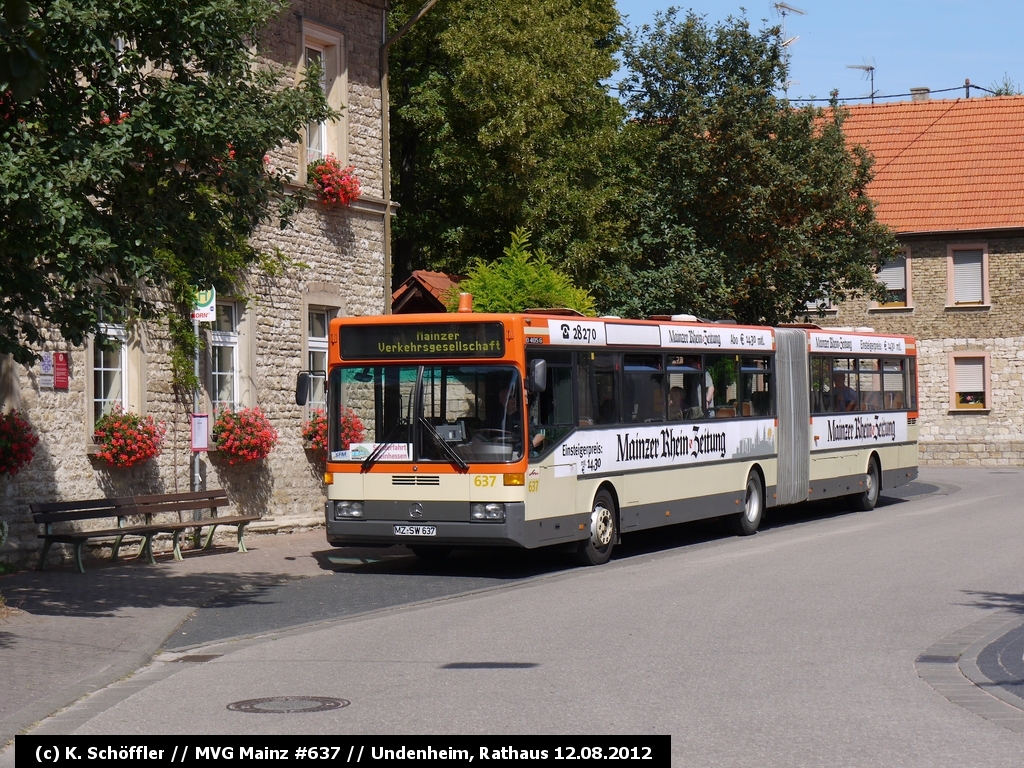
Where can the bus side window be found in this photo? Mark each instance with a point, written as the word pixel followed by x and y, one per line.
pixel 644 389
pixel 598 388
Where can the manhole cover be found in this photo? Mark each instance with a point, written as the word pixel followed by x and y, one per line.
pixel 288 704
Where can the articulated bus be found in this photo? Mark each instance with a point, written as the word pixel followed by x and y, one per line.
pixel 548 428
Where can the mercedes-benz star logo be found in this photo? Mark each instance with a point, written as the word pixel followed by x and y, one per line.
pixel 416 510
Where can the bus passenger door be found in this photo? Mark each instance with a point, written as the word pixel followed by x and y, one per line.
pixel 551 478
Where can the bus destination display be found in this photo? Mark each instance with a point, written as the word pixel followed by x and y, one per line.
pixel 377 342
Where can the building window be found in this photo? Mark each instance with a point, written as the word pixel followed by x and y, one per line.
pixel 108 371
pixel 316 133
pixel 895 276
pixel 316 345
pixel 967 276
pixel 969 381
pixel 224 358
pixel 325 48
pixel 819 307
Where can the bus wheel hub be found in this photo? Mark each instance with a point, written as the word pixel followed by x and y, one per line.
pixel 601 526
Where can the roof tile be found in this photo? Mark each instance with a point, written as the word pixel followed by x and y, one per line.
pixel 944 165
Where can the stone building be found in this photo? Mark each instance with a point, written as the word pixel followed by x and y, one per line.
pixel 949 179
pixel 255 348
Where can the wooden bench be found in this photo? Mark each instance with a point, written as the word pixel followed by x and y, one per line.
pixel 121 510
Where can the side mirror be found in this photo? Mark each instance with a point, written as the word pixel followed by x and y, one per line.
pixel 302 388
pixel 537 375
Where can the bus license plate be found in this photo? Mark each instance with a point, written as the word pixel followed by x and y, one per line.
pixel 415 530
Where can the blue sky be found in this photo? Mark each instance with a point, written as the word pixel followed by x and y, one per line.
pixel 936 43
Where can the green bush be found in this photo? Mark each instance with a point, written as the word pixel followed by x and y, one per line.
pixel 521 279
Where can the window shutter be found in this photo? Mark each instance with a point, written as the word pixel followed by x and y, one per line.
pixel 970 375
pixel 893 274
pixel 967 287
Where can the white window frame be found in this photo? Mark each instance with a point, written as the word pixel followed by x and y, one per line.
pixel 331 42
pixel 951 301
pixel 826 307
pixel 319 128
pixel 229 339
pixel 315 345
pixel 908 304
pixel 119 333
pixel 975 356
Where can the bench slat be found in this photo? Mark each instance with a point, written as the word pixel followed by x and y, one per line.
pixel 71 506
pixel 189 496
pixel 181 506
pixel 98 514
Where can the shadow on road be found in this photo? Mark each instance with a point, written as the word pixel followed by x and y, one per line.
pixel 512 564
pixel 1006 601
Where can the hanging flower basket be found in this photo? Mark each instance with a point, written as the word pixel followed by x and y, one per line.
pixel 17 443
pixel 127 439
pixel 314 431
pixel 244 435
pixel 334 185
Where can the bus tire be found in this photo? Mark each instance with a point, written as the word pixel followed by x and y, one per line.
pixel 866 500
pixel 597 548
pixel 747 522
pixel 430 554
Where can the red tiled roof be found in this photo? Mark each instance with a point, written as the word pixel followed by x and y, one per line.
pixel 944 165
pixel 436 283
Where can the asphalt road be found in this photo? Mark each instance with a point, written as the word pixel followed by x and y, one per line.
pixel 793 647
pixel 396 577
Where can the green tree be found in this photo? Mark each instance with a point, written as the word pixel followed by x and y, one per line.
pixel 499 120
pixel 137 168
pixel 1005 87
pixel 21 50
pixel 738 205
pixel 521 279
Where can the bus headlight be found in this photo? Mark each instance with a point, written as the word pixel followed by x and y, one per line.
pixel 492 511
pixel 344 509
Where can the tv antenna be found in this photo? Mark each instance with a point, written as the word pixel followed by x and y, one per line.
pixel 869 71
pixel 784 9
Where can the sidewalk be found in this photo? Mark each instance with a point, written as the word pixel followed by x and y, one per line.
pixel 76 633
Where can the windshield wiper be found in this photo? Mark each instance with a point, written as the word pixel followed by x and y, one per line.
pixel 449 452
pixel 377 452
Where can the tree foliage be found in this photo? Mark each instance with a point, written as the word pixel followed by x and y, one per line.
pixel 739 204
pixel 139 162
pixel 1005 87
pixel 21 50
pixel 521 279
pixel 499 120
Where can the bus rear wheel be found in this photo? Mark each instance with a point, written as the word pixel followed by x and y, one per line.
pixel 597 549
pixel 748 521
pixel 866 500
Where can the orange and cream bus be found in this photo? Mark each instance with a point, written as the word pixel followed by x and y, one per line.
pixel 548 428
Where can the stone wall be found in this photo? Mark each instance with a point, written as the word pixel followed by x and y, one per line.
pixel 341 253
pixel 990 437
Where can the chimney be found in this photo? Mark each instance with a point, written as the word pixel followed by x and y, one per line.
pixel 920 94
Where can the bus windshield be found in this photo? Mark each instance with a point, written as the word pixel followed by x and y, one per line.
pixel 426 413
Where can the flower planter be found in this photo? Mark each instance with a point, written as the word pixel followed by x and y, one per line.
pixel 125 439
pixel 334 185
pixel 243 435
pixel 17 443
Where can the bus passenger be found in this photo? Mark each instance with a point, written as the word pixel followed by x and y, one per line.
pixel 844 398
pixel 675 404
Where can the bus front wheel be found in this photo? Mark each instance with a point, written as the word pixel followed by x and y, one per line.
pixel 748 521
pixel 866 500
pixel 597 549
